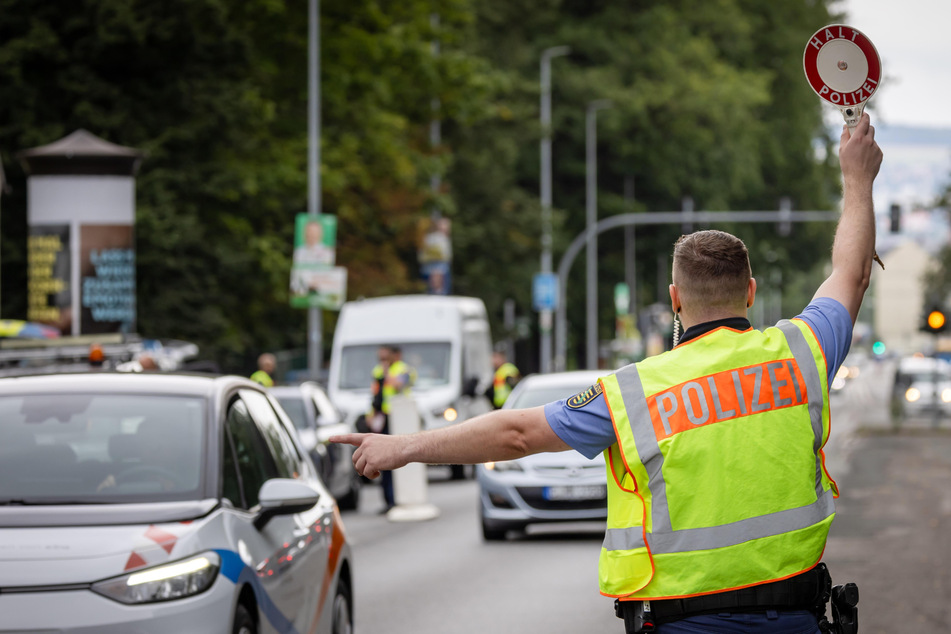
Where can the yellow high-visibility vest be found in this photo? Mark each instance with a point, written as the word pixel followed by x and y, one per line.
pixel 262 377
pixel 390 389
pixel 500 387
pixel 717 480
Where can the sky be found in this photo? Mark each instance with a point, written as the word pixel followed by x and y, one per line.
pixel 911 37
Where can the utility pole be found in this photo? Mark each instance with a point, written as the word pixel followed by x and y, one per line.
pixel 630 251
pixel 591 208
pixel 314 314
pixel 545 315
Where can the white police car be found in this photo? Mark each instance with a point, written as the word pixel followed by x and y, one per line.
pixel 162 503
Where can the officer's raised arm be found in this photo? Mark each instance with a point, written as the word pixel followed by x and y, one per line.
pixel 500 435
pixel 854 246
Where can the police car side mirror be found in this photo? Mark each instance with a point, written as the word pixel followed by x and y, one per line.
pixel 283 496
pixel 470 386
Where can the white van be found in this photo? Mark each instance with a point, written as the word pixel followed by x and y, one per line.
pixel 445 338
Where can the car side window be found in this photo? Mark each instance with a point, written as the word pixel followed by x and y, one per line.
pixel 275 435
pixel 230 478
pixel 255 465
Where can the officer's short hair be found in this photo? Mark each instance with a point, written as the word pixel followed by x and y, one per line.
pixel 712 269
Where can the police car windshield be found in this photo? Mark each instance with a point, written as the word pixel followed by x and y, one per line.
pixel 101 448
pixel 430 360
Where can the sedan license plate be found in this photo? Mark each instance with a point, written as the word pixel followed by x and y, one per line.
pixel 591 492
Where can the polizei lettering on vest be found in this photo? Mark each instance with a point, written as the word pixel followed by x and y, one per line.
pixel 725 396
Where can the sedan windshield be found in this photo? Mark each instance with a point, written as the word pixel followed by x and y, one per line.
pixel 430 360
pixel 100 448
pixel 533 396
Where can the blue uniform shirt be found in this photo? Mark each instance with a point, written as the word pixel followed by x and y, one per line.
pixel 589 430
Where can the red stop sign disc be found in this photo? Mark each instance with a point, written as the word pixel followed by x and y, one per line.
pixel 842 65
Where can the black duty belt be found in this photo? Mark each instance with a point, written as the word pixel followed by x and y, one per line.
pixel 803 592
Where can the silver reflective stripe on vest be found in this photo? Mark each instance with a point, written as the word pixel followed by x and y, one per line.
pixel 635 403
pixel 623 539
pixel 744 530
pixel 810 374
pixel 663 539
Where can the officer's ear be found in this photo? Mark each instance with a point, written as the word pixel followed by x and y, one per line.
pixel 675 304
pixel 750 292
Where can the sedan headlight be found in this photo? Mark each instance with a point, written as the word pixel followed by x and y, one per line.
pixel 450 414
pixel 505 465
pixel 946 395
pixel 176 580
pixel 913 394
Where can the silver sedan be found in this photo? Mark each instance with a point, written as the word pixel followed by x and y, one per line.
pixel 548 487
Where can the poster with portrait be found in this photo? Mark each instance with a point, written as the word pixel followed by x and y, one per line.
pixel 315 240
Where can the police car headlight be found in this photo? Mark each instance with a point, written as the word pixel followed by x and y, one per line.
pixel 176 580
pixel 946 395
pixel 506 465
pixel 912 394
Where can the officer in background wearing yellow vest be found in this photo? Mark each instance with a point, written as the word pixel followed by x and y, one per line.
pixel 264 375
pixel 719 503
pixel 505 378
pixel 391 376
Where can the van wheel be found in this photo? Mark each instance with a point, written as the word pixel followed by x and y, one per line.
pixel 243 623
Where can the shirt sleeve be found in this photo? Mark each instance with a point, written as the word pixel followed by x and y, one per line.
pixel 832 325
pixel 586 428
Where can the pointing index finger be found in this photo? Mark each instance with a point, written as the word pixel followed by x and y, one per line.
pixel 348 439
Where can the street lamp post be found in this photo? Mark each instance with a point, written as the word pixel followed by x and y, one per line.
pixel 545 315
pixel 314 314
pixel 591 208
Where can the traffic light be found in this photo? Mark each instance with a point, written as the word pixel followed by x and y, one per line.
pixel 936 320
pixel 894 218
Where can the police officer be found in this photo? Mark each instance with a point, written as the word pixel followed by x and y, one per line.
pixel 267 362
pixel 505 378
pixel 719 503
pixel 391 376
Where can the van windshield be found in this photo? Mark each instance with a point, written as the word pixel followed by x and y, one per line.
pixel 429 359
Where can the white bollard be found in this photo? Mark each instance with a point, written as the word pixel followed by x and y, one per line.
pixel 409 482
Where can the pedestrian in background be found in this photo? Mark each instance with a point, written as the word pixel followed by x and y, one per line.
pixel 505 378
pixel 391 376
pixel 264 375
pixel 719 504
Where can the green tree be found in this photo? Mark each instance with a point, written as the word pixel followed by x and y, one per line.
pixel 216 94
pixel 708 102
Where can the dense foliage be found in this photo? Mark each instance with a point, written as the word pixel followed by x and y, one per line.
pixel 708 102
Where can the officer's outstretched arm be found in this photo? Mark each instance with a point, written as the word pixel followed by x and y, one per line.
pixel 500 435
pixel 854 246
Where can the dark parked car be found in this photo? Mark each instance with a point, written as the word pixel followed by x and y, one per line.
pixel 316 420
